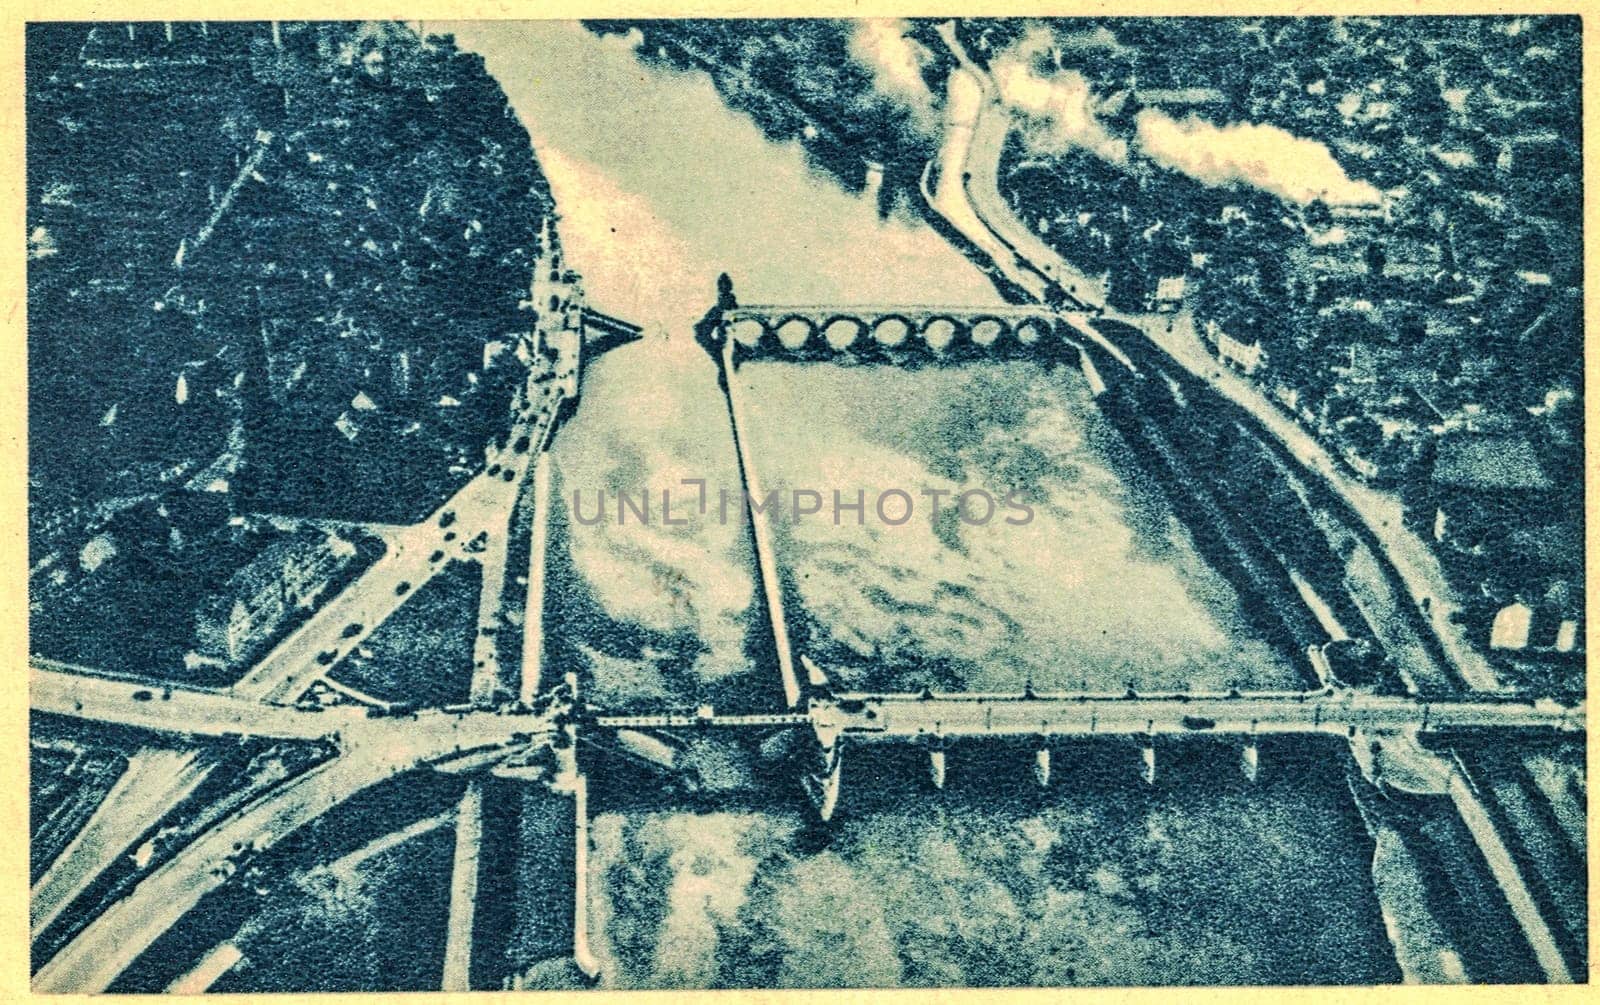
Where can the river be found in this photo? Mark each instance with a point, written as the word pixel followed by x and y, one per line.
pixel 660 187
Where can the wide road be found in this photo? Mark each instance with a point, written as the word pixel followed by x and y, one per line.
pixel 114 939
pixel 176 710
pixel 154 782
pixel 459 528
pixel 373 750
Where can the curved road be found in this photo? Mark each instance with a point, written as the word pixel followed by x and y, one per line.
pixel 374 749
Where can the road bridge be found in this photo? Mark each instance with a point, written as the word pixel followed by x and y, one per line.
pixel 936 720
pixel 1333 711
pixel 706 719
pixel 372 749
pixel 893 333
pixel 877 717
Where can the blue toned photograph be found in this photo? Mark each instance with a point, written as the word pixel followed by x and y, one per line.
pixel 704 504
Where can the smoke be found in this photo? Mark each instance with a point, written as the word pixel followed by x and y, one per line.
pixel 1291 167
pixel 1061 112
pixel 1060 106
pixel 896 62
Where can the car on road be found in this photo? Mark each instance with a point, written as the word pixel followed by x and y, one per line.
pixel 351 630
pixel 447 518
pixel 327 656
pixel 142 695
pixel 402 589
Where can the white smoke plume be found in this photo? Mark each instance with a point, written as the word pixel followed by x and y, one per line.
pixel 896 62
pixel 1059 106
pixel 1291 167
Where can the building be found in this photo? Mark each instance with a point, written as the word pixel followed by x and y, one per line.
pixel 259 598
pixel 1247 357
pixel 1542 629
pixel 1169 294
pixel 1484 484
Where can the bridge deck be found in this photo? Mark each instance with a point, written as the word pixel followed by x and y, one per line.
pixel 770 311
pixel 909 716
pixel 679 720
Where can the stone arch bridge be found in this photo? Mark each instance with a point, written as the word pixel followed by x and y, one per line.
pixel 897 334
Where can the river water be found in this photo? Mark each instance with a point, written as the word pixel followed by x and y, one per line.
pixel 1202 878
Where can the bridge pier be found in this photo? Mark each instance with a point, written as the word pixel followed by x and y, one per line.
pixel 936 767
pixel 828 795
pixel 816 678
pixel 823 785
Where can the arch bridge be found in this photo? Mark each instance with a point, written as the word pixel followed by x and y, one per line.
pixel 893 333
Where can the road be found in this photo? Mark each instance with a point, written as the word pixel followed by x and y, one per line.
pixel 459 528
pixel 1416 565
pixel 115 938
pixel 886 717
pixel 177 710
pixel 155 781
pixel 373 750
pixel 258 704
pixel 464 871
pixel 158 780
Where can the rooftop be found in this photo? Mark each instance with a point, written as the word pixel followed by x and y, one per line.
pixel 1488 462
